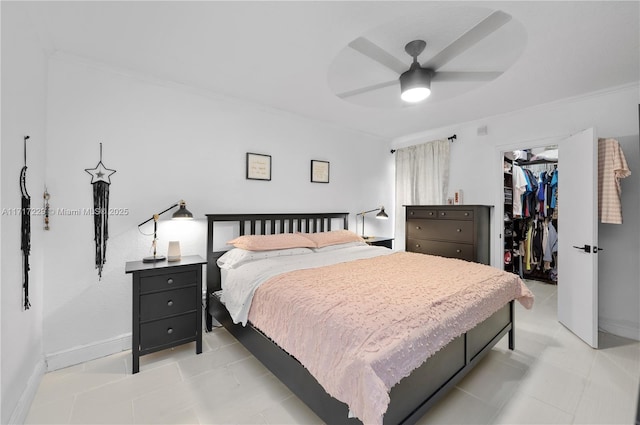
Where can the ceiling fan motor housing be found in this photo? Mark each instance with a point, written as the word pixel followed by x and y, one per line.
pixel 416 78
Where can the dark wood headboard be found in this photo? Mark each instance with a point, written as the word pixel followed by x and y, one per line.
pixel 263 224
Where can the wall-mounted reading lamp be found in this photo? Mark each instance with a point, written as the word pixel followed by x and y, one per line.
pixel 181 214
pixel 381 215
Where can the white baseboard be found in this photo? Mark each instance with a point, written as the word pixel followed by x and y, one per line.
pixel 623 328
pixel 20 412
pixel 83 353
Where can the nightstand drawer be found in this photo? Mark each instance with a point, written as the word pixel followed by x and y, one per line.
pixel 443 249
pixel 168 281
pixel 168 303
pixel 446 230
pixel 167 331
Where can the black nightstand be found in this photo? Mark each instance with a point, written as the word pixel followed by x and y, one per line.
pixel 380 241
pixel 167 305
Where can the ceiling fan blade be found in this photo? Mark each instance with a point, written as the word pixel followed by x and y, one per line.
pixel 487 26
pixel 376 53
pixel 361 90
pixel 465 76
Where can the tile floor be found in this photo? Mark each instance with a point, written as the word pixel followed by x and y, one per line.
pixel 551 378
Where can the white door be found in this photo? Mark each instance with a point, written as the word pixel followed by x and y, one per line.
pixel 578 235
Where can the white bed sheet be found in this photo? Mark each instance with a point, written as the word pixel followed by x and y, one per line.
pixel 239 284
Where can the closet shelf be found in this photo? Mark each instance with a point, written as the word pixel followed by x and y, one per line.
pixel 536 161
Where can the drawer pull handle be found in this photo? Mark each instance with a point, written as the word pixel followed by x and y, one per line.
pixel 417 227
pixel 417 245
pixel 443 213
pixel 412 213
pixel 466 214
pixel 458 251
pixel 430 212
pixel 170 281
pixel 169 331
pixel 458 230
pixel 170 303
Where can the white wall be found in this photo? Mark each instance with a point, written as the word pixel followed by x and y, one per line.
pixel 168 143
pixel 476 169
pixel 618 272
pixel 23 113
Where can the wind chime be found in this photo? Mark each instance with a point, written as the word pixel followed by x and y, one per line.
pixel 25 229
pixel 100 181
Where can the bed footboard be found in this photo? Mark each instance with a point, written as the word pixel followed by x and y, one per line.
pixel 411 398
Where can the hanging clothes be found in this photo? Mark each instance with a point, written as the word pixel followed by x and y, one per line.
pixel 531 194
pixel 519 186
pixel 536 235
pixel 552 242
pixel 541 194
pixel 612 166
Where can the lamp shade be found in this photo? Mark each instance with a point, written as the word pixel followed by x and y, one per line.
pixel 382 215
pixel 415 84
pixel 183 212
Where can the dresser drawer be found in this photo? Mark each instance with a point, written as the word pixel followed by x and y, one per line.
pixel 167 331
pixel 422 213
pixel 445 230
pixel 167 303
pixel 168 281
pixel 443 249
pixel 455 214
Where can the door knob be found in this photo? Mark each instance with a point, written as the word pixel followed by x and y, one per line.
pixel 586 248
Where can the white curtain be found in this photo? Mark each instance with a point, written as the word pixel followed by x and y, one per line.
pixel 422 178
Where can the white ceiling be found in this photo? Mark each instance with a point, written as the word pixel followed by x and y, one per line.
pixel 283 55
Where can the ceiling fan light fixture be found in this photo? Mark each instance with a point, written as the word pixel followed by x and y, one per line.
pixel 415 84
pixel 415 95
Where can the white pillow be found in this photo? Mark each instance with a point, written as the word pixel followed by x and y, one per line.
pixel 237 256
pixel 338 246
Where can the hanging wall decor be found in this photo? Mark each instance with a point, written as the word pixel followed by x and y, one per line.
pixel 46 197
pixel 25 229
pixel 100 179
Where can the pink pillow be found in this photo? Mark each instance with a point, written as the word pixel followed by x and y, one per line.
pixel 332 238
pixel 269 242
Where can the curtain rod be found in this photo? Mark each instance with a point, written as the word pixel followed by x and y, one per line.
pixel 450 138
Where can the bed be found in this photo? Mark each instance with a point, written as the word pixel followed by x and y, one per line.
pixel 407 400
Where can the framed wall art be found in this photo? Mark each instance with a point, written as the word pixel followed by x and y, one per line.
pixel 258 166
pixel 319 171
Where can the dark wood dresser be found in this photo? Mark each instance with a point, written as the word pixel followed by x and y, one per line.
pixel 167 305
pixel 455 231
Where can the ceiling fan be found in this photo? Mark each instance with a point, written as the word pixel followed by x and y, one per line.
pixel 415 82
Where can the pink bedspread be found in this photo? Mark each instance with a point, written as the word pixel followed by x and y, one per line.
pixel 361 326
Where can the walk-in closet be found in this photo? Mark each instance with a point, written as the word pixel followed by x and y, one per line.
pixel 531 213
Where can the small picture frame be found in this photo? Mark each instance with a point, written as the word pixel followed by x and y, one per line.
pixel 258 166
pixel 319 171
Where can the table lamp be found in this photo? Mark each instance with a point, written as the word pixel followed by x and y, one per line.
pixel 181 214
pixel 381 215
